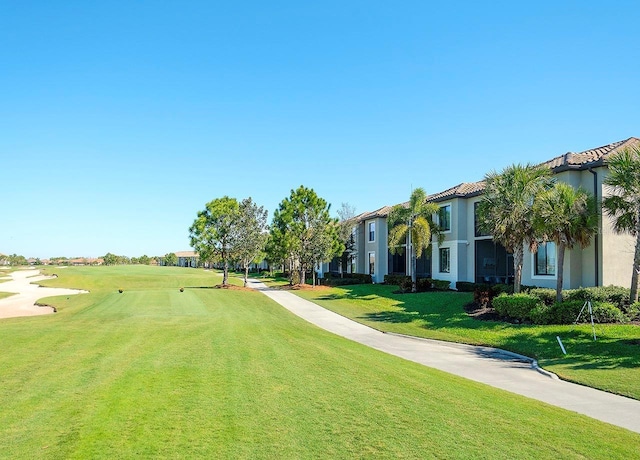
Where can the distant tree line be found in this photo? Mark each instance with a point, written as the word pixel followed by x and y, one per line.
pixel 302 234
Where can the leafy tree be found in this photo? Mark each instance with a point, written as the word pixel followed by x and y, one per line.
pixel 214 232
pixel 506 209
pixel 304 231
pixel 16 260
pixel 567 217
pixel 275 253
pixel 110 259
pixel 144 260
pixel 623 204
pixel 412 224
pixel 251 234
pixel 346 226
pixel 170 259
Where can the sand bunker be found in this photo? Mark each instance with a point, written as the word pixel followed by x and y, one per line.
pixel 27 294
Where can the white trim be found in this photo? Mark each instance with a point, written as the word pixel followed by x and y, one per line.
pixel 533 266
pixel 369 263
pixel 368 232
pixel 442 205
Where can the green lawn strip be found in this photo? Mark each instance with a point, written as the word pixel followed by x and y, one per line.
pixel 229 374
pixel 129 277
pixel 6 294
pixel 611 363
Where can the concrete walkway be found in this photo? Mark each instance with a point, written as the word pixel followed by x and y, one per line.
pixel 27 294
pixel 494 367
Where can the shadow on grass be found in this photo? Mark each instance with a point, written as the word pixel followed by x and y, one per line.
pixel 583 353
pixel 391 317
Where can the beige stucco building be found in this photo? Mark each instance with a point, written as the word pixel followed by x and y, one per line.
pixel 468 255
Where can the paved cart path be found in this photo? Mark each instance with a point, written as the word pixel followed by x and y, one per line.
pixel 23 303
pixel 492 366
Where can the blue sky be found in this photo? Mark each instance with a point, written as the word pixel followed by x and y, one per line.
pixel 120 120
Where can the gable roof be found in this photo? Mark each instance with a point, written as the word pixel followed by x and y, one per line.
pixel 186 254
pixel 569 161
pixel 382 212
pixel 464 190
pixel 589 158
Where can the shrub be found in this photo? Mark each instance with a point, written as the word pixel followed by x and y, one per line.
pixel 397 280
pixel 633 311
pixel 340 281
pixel 566 312
pixel 466 286
pixel 616 295
pixel 548 296
pixel 483 295
pixel 517 306
pixel 606 312
pixel 424 284
pixel 541 314
pixel 441 285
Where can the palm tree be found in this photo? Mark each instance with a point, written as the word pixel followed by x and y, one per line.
pixel 506 209
pixel 624 202
pixel 413 224
pixel 566 216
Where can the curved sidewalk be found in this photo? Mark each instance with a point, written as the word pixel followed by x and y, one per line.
pixel 494 367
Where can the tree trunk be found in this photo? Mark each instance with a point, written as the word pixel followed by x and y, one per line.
pixel 636 266
pixel 414 276
pixel 302 273
pixel 246 274
pixel 313 278
pixel 518 255
pixel 225 273
pixel 412 258
pixel 560 274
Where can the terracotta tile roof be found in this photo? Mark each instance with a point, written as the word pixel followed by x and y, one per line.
pixel 466 189
pixel 592 157
pixel 570 160
pixel 186 254
pixel 382 212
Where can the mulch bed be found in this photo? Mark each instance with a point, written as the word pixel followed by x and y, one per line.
pixel 481 313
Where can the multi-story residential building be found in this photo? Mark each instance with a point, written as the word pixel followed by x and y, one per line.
pixel 466 254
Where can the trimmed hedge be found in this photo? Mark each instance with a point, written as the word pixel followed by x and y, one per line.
pixel 616 295
pixel 441 285
pixel 330 279
pixel 466 286
pixel 547 296
pixel 397 280
pixel 516 306
pixel 422 284
pixel 567 313
pixel 633 311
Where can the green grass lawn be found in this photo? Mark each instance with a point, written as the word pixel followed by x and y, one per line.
pixel 611 363
pixel 5 294
pixel 215 373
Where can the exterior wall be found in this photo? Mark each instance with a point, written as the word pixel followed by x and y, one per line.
pixel 616 250
pixel 378 247
pixel 607 260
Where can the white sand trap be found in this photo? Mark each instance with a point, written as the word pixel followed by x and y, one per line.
pixel 24 302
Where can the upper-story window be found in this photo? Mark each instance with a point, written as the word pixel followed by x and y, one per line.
pixel 372 231
pixel 444 217
pixel 476 220
pixel 545 259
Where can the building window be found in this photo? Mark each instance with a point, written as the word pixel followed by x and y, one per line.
pixel 476 220
pixel 545 259
pixel 445 264
pixel 444 217
pixel 372 232
pixel 372 263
